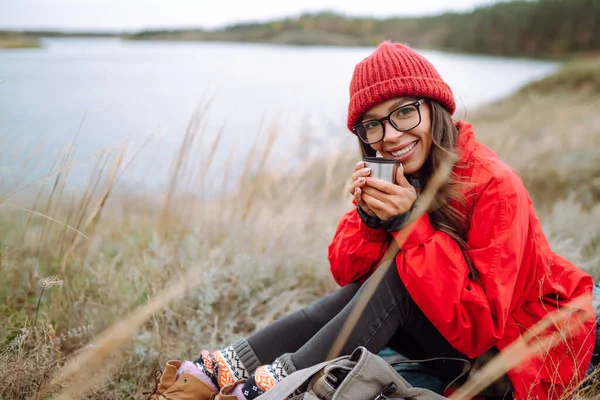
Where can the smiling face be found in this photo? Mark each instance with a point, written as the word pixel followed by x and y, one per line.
pixel 411 148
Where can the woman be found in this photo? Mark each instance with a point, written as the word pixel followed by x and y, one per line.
pixel 473 273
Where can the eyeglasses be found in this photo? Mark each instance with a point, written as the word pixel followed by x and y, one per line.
pixel 403 118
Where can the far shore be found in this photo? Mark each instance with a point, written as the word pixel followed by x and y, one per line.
pixel 505 29
pixel 30 41
pixel 19 42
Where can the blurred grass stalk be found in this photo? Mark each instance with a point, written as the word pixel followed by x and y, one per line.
pixel 258 252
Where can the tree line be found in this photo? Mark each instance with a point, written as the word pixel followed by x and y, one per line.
pixel 539 28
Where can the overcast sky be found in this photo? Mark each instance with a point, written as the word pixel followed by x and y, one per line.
pixel 133 15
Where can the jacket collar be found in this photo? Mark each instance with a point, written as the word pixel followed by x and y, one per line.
pixel 465 144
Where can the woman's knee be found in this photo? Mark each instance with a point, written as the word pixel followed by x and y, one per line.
pixel 329 306
pixel 390 283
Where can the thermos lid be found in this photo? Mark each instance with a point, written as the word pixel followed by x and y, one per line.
pixel 379 160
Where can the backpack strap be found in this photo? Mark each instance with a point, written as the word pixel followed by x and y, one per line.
pixel 297 381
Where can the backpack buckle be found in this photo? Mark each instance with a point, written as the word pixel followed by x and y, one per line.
pixel 388 390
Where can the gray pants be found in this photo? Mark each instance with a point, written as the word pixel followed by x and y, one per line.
pixel 391 319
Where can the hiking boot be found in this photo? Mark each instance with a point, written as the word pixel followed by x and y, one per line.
pixel 233 391
pixel 186 386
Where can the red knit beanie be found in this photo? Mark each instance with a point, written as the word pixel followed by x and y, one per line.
pixel 395 70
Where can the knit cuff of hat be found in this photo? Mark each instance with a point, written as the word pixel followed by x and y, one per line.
pixel 246 355
pixel 417 87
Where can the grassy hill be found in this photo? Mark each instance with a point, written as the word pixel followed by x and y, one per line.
pixel 539 28
pixel 527 28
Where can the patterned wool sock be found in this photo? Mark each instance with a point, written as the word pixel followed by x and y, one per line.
pixel 229 367
pixel 208 366
pixel 264 378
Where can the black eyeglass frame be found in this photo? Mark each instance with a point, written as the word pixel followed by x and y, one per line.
pixel 417 104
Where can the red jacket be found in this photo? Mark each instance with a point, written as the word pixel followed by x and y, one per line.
pixel 521 278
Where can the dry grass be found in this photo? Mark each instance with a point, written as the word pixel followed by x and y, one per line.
pixel 257 253
pixel 550 136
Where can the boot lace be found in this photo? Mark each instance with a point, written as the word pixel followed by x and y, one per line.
pixel 155 392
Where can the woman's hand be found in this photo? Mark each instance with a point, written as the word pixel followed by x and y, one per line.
pixel 359 176
pixel 387 200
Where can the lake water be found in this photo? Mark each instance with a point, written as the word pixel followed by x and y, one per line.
pixel 128 89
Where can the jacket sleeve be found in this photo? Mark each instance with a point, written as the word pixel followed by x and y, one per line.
pixel 472 316
pixel 355 249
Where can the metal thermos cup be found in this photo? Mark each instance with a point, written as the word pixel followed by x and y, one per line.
pixel 382 168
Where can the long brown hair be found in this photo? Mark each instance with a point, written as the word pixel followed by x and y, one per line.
pixel 448 211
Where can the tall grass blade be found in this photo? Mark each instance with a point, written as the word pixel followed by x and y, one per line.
pixel 77 373
pixel 534 342
pixel 440 176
